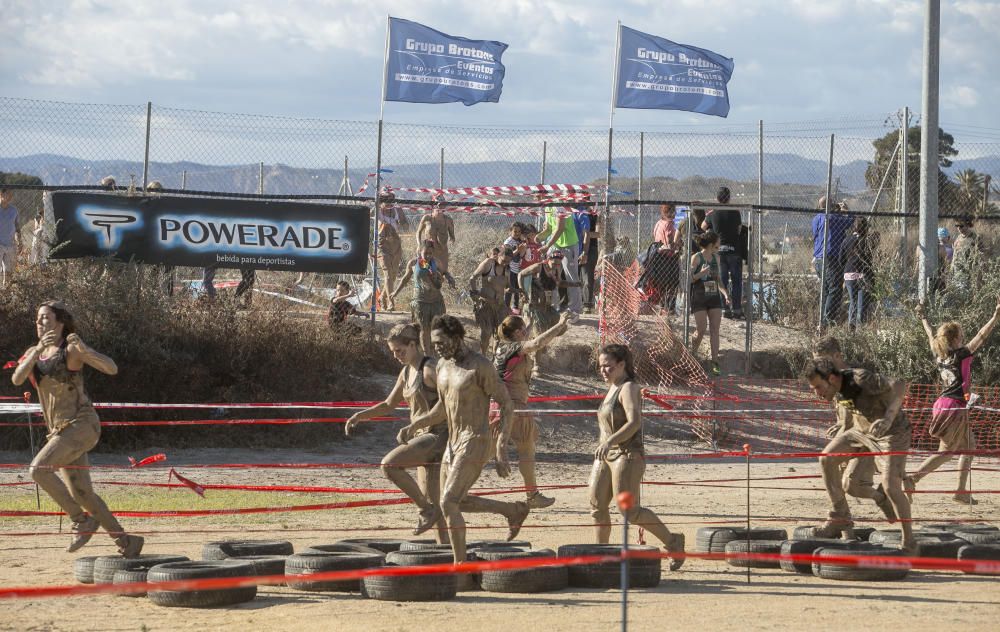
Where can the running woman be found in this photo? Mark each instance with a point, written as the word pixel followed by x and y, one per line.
pixel 423 450
pixel 514 359
pixel 55 368
pixel 950 420
pixel 486 287
pixel 428 301
pixel 620 459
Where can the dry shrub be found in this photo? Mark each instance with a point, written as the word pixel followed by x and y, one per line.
pixel 178 349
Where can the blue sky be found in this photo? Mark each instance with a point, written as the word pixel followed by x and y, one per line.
pixel 795 59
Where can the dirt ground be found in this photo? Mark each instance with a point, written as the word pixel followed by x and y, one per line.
pixel 702 595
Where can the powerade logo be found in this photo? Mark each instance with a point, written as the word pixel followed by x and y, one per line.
pixel 256 236
pixel 108 225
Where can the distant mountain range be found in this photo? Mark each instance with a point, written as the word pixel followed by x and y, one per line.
pixel 283 179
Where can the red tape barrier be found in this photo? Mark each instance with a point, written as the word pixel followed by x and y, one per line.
pixel 886 562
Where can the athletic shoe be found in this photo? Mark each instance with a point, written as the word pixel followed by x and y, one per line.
pixel 715 369
pixel 82 532
pixel 514 522
pixel 965 499
pixel 538 500
pixel 835 527
pixel 130 545
pixel 885 504
pixel 676 545
pixel 428 518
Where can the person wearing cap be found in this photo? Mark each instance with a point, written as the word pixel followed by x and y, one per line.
pixel 826 246
pixel 945 253
pixel 10 234
pixel 560 234
pixel 966 254
pixel 727 223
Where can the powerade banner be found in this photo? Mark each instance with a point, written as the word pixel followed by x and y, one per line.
pixel 428 66
pixel 204 232
pixel 657 74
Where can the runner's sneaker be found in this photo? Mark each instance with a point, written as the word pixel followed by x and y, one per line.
pixel 130 545
pixel 965 499
pixel 715 369
pixel 514 522
pixel 538 500
pixel 676 546
pixel 82 532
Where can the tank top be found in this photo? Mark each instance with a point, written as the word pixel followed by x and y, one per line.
pixel 709 284
pixel 61 392
pixel 493 283
pixel 610 418
pixel 421 397
pixel 427 283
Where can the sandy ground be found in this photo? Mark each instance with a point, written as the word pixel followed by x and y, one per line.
pixel 702 595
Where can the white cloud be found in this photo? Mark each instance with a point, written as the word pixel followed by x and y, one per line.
pixel 960 97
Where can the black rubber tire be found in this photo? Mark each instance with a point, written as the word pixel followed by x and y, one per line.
pixel 958 526
pixel 264 565
pixel 715 539
pixel 807 547
pixel 200 570
pixel 985 552
pixel 83 569
pixel 304 564
pixel 892 571
pixel 861 534
pixel 979 537
pixel 341 547
pixel 522 580
pixel 105 566
pixel 416 545
pixel 409 587
pixel 424 546
pixel 437 554
pixel 225 549
pixel 895 536
pixel 386 545
pixel 939 548
pixel 642 572
pixel 131 577
pixel 753 546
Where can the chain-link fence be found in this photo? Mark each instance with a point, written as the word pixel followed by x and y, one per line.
pixel 784 168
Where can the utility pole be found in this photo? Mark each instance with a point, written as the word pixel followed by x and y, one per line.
pixel 929 148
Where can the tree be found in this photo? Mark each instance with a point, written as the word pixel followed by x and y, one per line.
pixel 884 149
pixel 18 178
pixel 970 184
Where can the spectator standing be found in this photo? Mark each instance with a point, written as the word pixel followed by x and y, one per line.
pixel 10 235
pixel 668 260
pixel 517 245
pixel 587 222
pixel 967 253
pixel 855 259
pixel 727 223
pixel 690 228
pixel 825 256
pixel 560 234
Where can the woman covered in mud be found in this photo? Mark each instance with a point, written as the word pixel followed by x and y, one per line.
pixel 416 385
pixel 55 368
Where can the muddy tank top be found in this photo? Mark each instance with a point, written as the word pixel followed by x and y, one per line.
pixel 419 396
pixel 610 418
pixel 427 283
pixel 61 392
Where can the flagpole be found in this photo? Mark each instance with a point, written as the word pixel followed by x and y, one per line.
pixel 605 227
pixel 377 224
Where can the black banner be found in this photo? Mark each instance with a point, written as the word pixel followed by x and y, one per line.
pixel 205 232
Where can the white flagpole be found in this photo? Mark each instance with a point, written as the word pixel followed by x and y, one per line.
pixel 376 223
pixel 606 220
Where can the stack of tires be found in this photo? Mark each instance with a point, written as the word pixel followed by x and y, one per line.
pixel 643 572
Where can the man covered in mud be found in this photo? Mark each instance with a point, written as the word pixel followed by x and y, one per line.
pixel 466 381
pixel 869 408
pixel 440 229
pixel 858 478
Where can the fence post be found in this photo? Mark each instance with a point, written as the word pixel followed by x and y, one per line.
pixel 760 217
pixel 184 179
pixel 625 502
pixel 376 220
pixel 826 236
pixel 904 184
pixel 145 159
pixel 746 450
pixel 686 276
pixel 638 209
pixel 748 302
pixel 441 170
pixel 929 148
pixel 260 178
pixel 540 219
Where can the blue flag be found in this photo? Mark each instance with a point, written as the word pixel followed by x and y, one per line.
pixel 657 74
pixel 428 66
